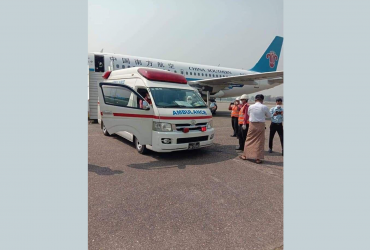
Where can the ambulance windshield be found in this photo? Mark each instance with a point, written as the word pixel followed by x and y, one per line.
pixel 177 98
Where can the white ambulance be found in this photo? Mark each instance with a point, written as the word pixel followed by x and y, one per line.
pixel 155 109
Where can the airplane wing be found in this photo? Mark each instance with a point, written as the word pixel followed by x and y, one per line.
pixel 272 77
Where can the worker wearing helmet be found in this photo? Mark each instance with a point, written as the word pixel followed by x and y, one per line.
pixel 243 121
pixel 234 107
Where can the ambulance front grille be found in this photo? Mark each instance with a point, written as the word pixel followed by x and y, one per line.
pixel 180 127
pixel 192 139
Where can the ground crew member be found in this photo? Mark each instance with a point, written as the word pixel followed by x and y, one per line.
pixel 243 121
pixel 276 123
pixel 254 146
pixel 234 107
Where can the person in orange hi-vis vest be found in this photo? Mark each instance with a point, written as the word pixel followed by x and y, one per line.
pixel 243 121
pixel 234 107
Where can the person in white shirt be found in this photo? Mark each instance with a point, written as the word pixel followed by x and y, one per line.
pixel 255 143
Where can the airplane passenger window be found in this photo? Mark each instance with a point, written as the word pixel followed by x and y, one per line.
pixel 216 75
pixel 213 75
pixel 123 66
pixel 175 71
pixel 202 74
pixel 128 66
pixel 191 73
pixel 186 72
pixel 198 74
pixel 117 66
pixel 206 74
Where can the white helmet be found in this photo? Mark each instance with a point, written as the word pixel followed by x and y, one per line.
pixel 237 99
pixel 245 97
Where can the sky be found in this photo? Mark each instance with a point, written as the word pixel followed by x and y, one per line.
pixel 231 34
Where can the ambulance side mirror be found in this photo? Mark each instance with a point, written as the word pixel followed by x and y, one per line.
pixel 146 105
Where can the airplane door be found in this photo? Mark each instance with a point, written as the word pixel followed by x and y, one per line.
pixel 120 111
pixel 99 63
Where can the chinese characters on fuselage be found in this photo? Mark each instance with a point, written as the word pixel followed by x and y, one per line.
pixel 158 64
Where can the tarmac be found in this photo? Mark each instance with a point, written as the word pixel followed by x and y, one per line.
pixel 199 199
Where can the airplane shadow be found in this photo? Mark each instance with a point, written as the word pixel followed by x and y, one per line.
pixel 222 114
pixel 273 163
pixel 103 170
pixel 274 153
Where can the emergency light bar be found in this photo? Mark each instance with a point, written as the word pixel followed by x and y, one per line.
pixel 162 76
pixel 106 74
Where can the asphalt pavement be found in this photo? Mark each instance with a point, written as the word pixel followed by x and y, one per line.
pixel 200 199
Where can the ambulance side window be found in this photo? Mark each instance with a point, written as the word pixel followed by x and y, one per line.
pixel 119 96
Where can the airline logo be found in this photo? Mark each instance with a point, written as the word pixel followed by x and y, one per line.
pixel 272 58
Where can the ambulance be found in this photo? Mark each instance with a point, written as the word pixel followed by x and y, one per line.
pixel 155 109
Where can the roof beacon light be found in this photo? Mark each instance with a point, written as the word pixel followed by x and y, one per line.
pixel 162 76
pixel 106 74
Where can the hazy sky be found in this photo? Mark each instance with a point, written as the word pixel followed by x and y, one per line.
pixel 233 34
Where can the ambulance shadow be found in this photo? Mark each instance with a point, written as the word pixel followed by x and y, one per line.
pixel 123 140
pixel 103 170
pixel 181 159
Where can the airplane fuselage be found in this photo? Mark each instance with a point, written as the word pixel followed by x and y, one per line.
pixel 101 62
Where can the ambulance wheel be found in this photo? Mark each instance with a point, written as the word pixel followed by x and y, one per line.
pixel 105 131
pixel 140 148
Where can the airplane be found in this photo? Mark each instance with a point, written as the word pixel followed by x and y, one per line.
pixel 211 81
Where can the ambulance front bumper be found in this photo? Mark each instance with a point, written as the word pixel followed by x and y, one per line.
pixel 180 140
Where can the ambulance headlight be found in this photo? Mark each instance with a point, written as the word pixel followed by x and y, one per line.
pixel 162 126
pixel 210 124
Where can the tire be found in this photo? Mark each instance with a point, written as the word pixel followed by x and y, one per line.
pixel 141 149
pixel 105 131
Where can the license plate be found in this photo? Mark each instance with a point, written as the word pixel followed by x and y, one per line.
pixel 194 145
